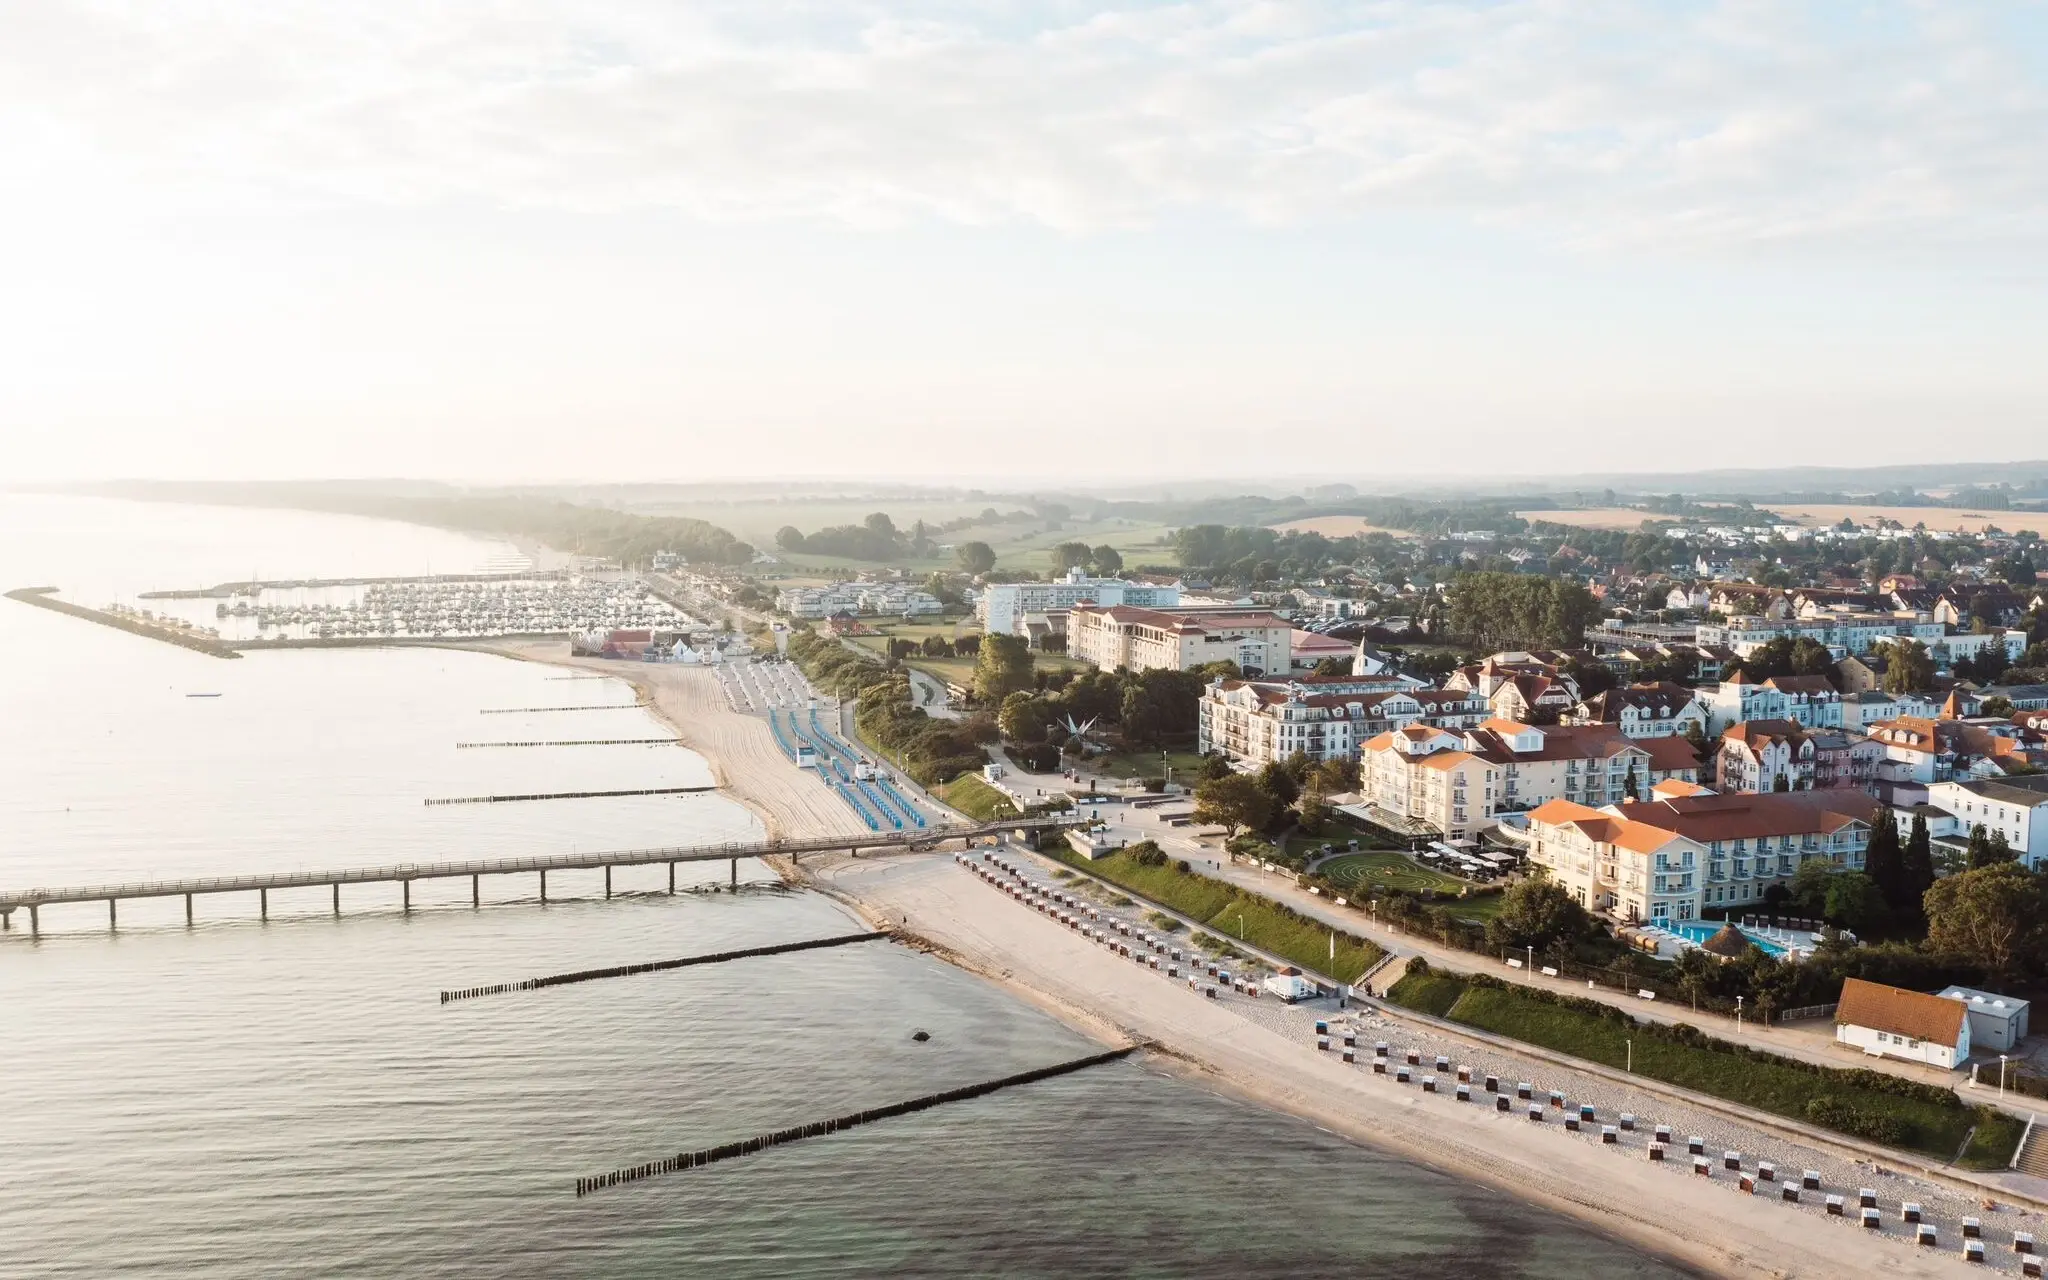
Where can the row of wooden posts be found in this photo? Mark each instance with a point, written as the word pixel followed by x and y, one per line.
pixel 657 966
pixel 819 1128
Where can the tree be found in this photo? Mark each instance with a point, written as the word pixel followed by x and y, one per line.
pixel 1995 705
pixel 1908 668
pixel 1277 781
pixel 1537 913
pixel 1884 861
pixel 1108 561
pixel 1002 667
pixel 1854 902
pixel 1234 800
pixel 1159 705
pixel 880 525
pixel 1918 863
pixel 975 557
pixel 1070 555
pixel 1992 916
pixel 789 538
pixel 1024 718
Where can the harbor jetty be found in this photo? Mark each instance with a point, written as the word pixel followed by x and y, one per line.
pixel 169 630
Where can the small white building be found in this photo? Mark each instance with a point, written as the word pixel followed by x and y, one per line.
pixel 1290 986
pixel 1997 1023
pixel 1892 1022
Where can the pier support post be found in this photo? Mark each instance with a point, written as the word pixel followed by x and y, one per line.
pixel 476 893
pixel 111 924
pixel 6 921
pixel 188 911
pixel 543 888
pixel 671 879
pixel 263 903
pixel 607 884
pixel 337 897
pixel 735 869
pixel 408 893
pixel 35 929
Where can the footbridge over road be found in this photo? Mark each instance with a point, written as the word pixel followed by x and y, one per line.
pixel 405 873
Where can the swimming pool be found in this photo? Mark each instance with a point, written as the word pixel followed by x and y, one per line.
pixel 1697 931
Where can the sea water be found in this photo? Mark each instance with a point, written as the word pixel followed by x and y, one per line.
pixel 241 1098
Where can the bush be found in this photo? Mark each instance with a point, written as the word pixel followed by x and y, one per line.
pixel 1831 1113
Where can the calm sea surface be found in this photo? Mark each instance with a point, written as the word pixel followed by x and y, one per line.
pixel 249 1099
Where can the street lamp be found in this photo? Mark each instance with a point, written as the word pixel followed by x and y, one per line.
pixel 1738 1013
pixel 1240 926
pixel 2001 1077
pixel 1629 1047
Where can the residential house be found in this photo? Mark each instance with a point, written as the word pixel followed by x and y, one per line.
pixel 2017 807
pixel 1762 756
pixel 1810 700
pixel 1660 710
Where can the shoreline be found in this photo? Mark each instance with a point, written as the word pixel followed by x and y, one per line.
pixel 938 907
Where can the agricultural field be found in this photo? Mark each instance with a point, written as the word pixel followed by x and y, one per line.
pixel 1625 519
pixel 1338 527
pixel 1939 519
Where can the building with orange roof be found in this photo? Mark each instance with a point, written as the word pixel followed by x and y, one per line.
pixel 1125 637
pixel 1892 1022
pixel 1460 782
pixel 1256 722
pixel 1686 848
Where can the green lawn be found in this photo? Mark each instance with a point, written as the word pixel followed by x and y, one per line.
pixel 974 797
pixel 1186 765
pixel 1753 1079
pixel 1387 869
pixel 1234 914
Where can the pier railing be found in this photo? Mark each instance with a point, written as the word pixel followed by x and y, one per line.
pixel 408 871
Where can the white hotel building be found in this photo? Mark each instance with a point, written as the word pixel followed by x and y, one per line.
pixel 1002 605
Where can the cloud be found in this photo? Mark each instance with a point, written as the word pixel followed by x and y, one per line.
pixel 1745 123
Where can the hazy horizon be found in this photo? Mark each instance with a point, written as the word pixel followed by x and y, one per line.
pixel 552 243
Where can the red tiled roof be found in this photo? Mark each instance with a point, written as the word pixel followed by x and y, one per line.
pixel 1913 1014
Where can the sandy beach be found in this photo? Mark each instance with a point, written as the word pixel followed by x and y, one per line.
pixel 1259 1055
pixel 741 750
pixel 1703 1222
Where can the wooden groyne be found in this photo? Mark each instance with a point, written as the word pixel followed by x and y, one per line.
pixel 573 742
pixel 46 598
pixel 571 795
pixel 521 711
pixel 659 966
pixel 819 1128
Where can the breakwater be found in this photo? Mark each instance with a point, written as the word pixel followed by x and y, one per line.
pixel 46 598
pixel 659 966
pixel 226 590
pixel 571 795
pixel 820 1128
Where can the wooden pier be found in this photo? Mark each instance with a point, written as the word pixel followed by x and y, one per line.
pixel 404 874
pixel 575 742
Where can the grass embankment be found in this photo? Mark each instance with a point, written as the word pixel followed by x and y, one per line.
pixel 1232 913
pixel 973 796
pixel 1186 765
pixel 1882 1108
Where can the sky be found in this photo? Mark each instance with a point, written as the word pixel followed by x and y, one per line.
pixel 539 240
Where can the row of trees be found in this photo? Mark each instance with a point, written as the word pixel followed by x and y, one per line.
pixel 931 750
pixel 1514 610
pixel 874 538
pixel 1105 561
pixel 1285 793
pixel 1147 710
